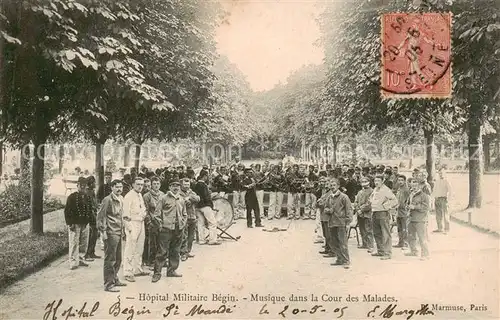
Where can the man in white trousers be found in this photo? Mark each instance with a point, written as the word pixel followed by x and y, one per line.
pixel 134 213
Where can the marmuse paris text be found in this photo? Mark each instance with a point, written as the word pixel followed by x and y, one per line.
pixel 186 297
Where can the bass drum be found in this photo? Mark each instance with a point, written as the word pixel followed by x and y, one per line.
pixel 224 213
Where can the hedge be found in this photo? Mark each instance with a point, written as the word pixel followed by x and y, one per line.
pixel 26 254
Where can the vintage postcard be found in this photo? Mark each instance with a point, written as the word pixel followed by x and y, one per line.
pixel 249 159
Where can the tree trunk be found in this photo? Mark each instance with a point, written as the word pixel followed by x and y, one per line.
pixel 334 151
pixel 475 158
pixel 430 161
pixel 1 160
pixel 126 155
pixel 2 96
pixel 327 160
pixel 354 153
pixel 61 158
pixel 37 188
pixel 137 156
pixel 99 164
pixel 497 148
pixel 24 165
pixel 487 154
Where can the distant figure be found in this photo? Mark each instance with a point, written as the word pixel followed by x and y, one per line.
pixel 93 232
pixel 441 193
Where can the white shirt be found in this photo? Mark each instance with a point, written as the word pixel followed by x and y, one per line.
pixel 441 188
pixel 382 199
pixel 133 206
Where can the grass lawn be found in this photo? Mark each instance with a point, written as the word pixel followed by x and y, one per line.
pixel 26 254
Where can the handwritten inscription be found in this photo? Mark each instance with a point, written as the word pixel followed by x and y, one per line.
pixel 333 306
pixel 391 311
pixel 116 310
pixel 52 311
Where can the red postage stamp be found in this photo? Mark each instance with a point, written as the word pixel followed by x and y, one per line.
pixel 416 55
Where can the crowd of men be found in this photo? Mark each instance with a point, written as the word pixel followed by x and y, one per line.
pixel 160 213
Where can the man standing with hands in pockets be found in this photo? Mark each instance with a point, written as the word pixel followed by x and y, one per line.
pixel 169 219
pixel 337 206
pixel 134 213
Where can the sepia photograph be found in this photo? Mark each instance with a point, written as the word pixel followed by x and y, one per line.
pixel 249 159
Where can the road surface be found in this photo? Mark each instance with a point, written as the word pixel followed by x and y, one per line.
pixel 462 271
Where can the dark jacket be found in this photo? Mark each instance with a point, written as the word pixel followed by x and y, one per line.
pixel 92 217
pixel 292 183
pixel 221 185
pixel 170 210
pixel 78 209
pixel 235 181
pixel 422 202
pixel 103 191
pixel 388 183
pixel 205 195
pixel 191 199
pixel 403 194
pixel 126 188
pixel 248 184
pixel 312 184
pixel 338 207
pixel 363 204
pixel 352 188
pixel 150 201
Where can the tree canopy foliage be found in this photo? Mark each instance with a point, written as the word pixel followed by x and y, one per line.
pixel 112 69
pixel 343 99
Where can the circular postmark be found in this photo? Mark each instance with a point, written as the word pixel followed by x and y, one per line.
pixel 416 55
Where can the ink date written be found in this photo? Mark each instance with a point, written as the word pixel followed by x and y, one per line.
pixel 316 309
pixel 391 311
pixel 54 310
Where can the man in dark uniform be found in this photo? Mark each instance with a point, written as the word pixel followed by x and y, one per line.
pixel 77 213
pixel 165 182
pixel 105 189
pixel 277 180
pixel 352 186
pixel 259 178
pixel 127 184
pixel 236 177
pixel 221 183
pixel 388 178
pixel 293 197
pixel 180 172
pixel 310 186
pixel 403 195
pixel 251 202
pixel 269 193
pixel 93 232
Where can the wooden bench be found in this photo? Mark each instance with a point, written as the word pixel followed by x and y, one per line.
pixel 70 183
